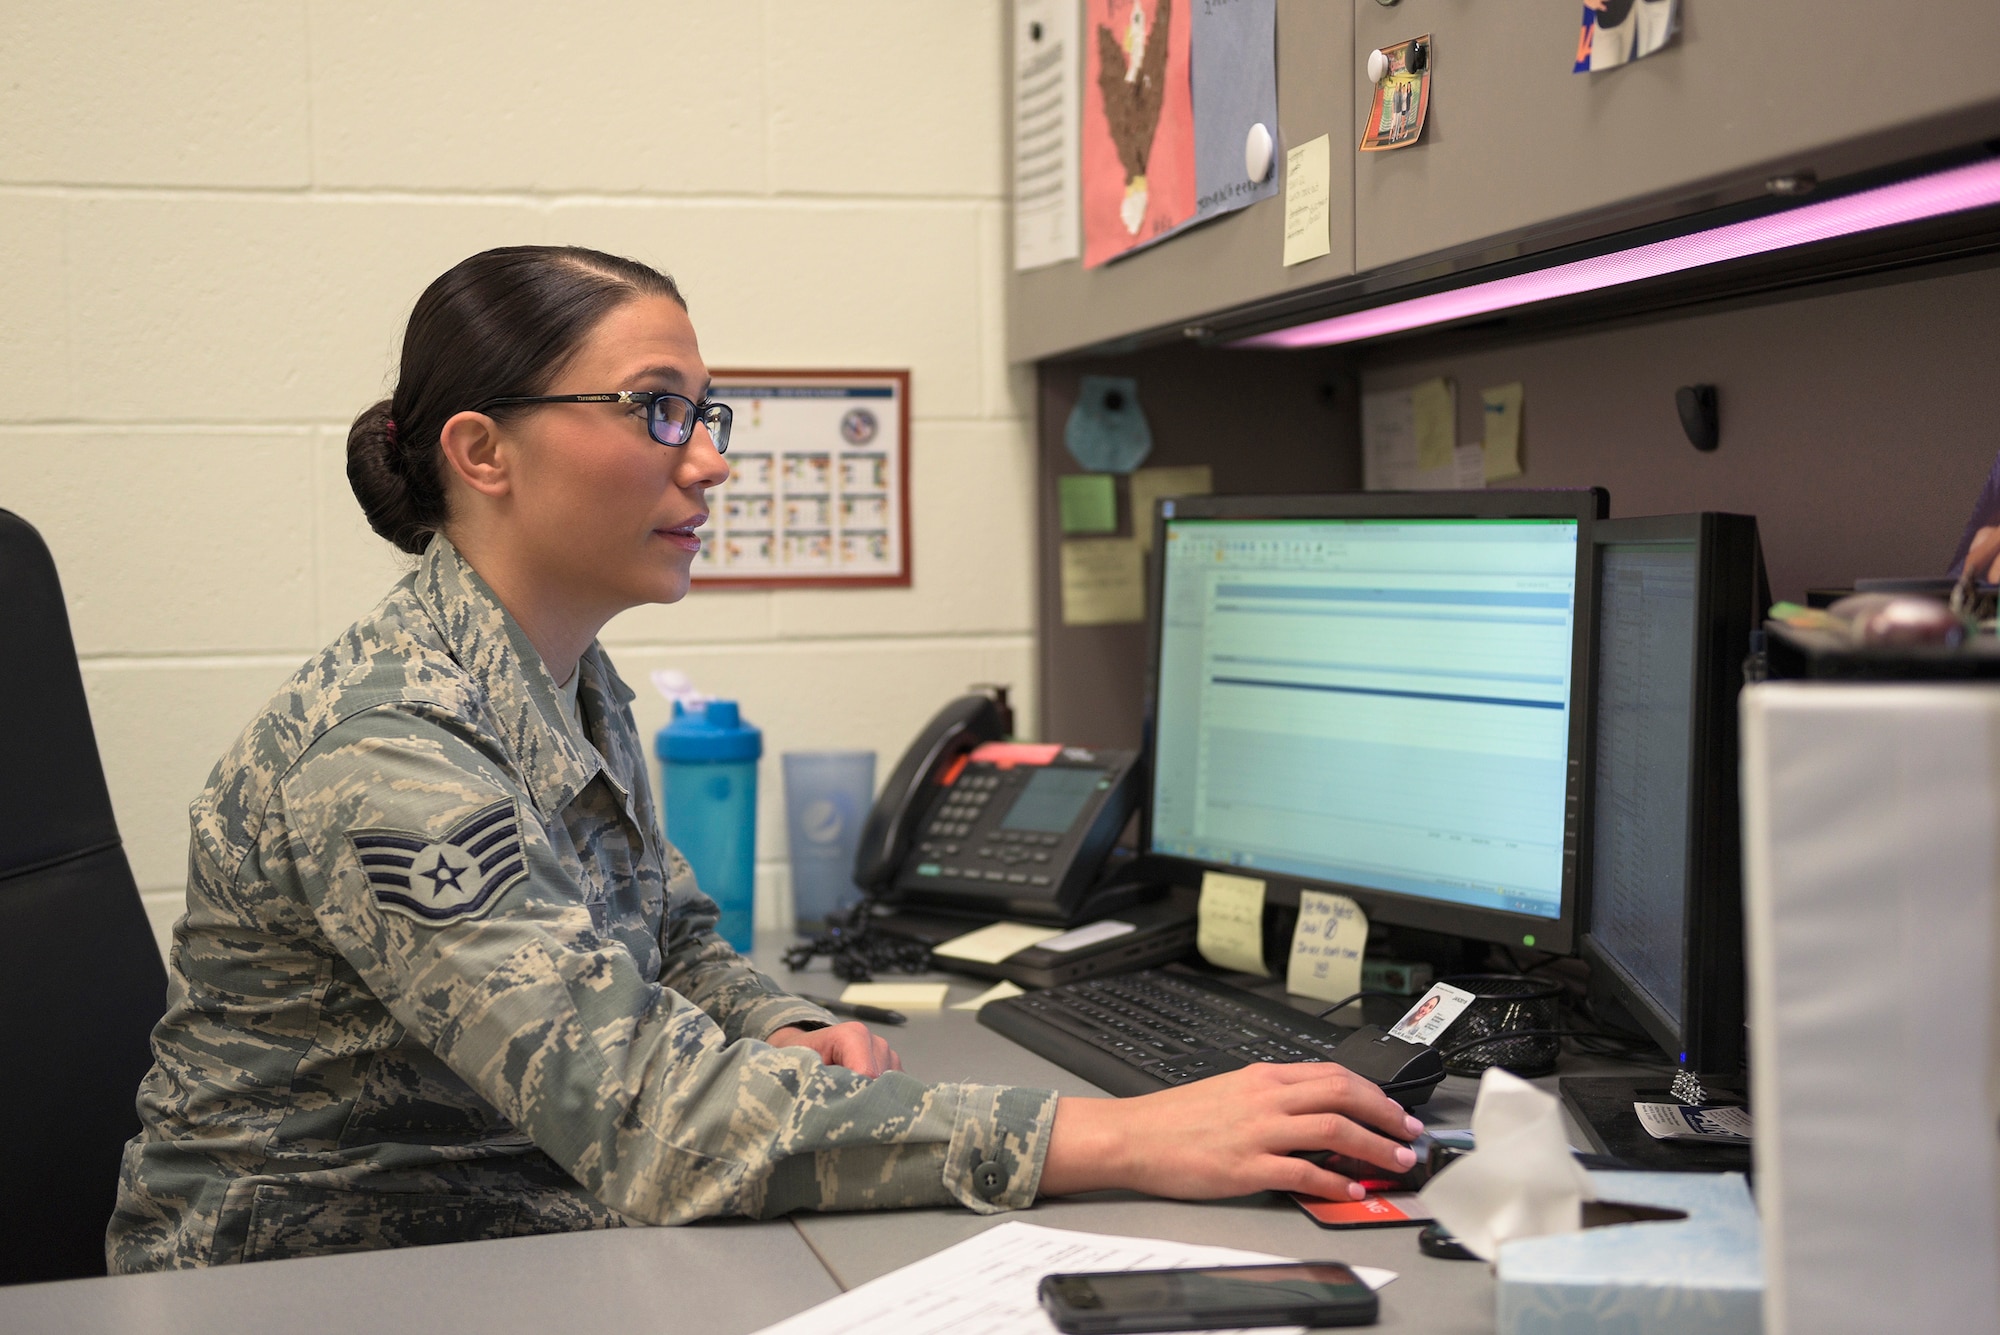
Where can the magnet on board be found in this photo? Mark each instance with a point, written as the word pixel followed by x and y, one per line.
pixel 1257 154
pixel 1378 65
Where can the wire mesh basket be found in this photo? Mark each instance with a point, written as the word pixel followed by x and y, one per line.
pixel 1512 1024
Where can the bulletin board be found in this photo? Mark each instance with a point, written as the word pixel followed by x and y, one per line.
pixel 818 494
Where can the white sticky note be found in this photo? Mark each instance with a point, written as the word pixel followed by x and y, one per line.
pixel 1308 201
pixel 1469 465
pixel 1502 437
pixel 1000 991
pixel 1229 922
pixel 995 942
pixel 897 996
pixel 1326 947
pixel 1088 935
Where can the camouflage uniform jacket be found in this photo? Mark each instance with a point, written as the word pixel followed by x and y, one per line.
pixel 440 978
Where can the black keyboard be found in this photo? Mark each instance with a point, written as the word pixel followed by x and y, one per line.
pixel 1135 1033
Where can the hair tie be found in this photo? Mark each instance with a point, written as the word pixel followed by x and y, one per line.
pixel 389 429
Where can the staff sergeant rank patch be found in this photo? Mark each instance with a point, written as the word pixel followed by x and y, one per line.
pixel 440 881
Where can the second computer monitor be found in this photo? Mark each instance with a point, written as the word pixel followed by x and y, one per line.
pixel 1380 694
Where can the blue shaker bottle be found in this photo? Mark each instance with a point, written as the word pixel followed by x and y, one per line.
pixel 708 767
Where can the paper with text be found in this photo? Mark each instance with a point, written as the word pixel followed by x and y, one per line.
pixel 989 1284
pixel 1434 410
pixel 1326 947
pixel 1229 922
pixel 1103 582
pixel 1389 455
pixel 1048 89
pixel 1309 201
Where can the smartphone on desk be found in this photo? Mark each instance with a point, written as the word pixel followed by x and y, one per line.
pixel 1299 1293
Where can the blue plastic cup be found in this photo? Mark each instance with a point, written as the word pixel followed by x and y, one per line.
pixel 827 795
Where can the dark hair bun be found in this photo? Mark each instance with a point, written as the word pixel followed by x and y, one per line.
pixel 375 469
pixel 501 323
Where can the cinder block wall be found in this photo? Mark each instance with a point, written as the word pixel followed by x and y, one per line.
pixel 216 218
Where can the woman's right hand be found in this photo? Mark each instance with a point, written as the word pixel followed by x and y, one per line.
pixel 1229 1135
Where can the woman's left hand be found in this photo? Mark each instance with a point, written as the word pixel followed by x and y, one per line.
pixel 853 1045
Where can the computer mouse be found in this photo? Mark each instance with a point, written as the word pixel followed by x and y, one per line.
pixel 1406 1071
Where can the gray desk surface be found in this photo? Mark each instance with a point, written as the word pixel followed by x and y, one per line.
pixel 728 1277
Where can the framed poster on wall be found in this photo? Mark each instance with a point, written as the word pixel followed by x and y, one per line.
pixel 818 494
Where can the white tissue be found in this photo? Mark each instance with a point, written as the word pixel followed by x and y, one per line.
pixel 1521 1181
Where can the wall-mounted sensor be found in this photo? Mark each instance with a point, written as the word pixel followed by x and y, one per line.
pixel 1698 416
pixel 1378 66
pixel 1257 150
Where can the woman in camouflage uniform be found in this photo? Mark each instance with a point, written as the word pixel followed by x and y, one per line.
pixel 441 978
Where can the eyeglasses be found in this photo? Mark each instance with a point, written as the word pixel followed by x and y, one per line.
pixel 670 418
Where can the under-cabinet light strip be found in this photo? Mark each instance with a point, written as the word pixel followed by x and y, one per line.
pixel 1955 190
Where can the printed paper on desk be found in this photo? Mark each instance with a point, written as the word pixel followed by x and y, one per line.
pixel 1433 1014
pixel 1326 947
pixel 1229 922
pixel 995 942
pixel 989 1284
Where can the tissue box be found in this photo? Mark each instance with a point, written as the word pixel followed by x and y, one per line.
pixel 1702 1275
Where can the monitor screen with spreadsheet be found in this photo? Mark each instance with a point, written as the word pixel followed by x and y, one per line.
pixel 1383 695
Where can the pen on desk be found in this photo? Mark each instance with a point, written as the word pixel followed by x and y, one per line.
pixel 859 1012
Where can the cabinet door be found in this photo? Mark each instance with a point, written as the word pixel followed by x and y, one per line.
pixel 1516 141
pixel 1235 259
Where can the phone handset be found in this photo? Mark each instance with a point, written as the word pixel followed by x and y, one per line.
pixel 959 727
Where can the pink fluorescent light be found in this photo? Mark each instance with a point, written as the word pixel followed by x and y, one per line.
pixel 1952 191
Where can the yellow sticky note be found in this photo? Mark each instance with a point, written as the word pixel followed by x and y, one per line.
pixel 1149 485
pixel 995 942
pixel 1103 582
pixel 1503 430
pixel 897 996
pixel 1000 991
pixel 1229 922
pixel 1435 404
pixel 1326 947
pixel 1308 201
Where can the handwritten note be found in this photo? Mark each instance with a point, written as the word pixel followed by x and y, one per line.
pixel 1326 947
pixel 1308 201
pixel 1103 582
pixel 1229 922
pixel 1502 404
pixel 1435 403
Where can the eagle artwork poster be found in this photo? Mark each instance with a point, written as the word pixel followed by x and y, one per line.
pixel 1138 125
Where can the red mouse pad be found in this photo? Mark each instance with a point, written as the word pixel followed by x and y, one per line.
pixel 1394 1210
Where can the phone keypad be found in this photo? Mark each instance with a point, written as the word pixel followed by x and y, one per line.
pixel 997 854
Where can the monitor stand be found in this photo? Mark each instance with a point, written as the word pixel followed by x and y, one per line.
pixel 1602 1105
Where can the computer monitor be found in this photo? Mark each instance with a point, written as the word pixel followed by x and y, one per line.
pixel 1677 597
pixel 1379 694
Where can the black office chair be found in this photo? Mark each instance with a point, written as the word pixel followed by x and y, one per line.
pixel 81 984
